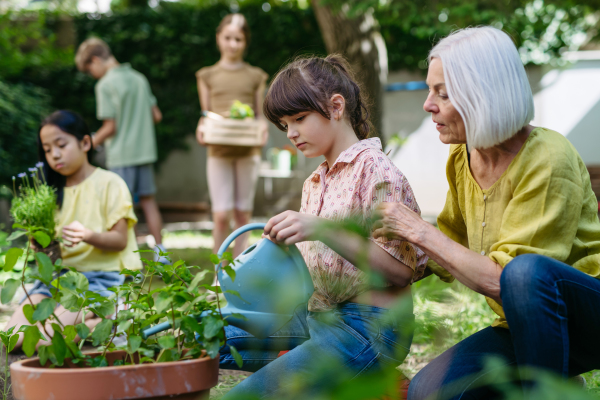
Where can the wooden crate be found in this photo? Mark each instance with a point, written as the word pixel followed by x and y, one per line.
pixel 233 132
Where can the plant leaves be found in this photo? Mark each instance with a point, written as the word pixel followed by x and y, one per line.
pixel 8 290
pixel 197 279
pixel 212 326
pixel 11 258
pixel 133 344
pixel 102 332
pixel 123 326
pixel 236 293
pixel 31 337
pixel 70 333
pixel 15 235
pixel 74 281
pixel 43 354
pixel 28 311
pixel 237 316
pixel 212 348
pixel 104 310
pixel 60 347
pixel 82 330
pixel 166 342
pixel 97 362
pixel 214 259
pixel 12 342
pixel 42 238
pixel 236 356
pixel 44 309
pixel 229 271
pixel 45 267
pixel 163 302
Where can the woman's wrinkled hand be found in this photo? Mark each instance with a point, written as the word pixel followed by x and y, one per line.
pixel 395 221
pixel 291 227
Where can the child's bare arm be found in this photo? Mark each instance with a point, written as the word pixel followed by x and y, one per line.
pixel 113 240
pixel 108 129
pixel 156 115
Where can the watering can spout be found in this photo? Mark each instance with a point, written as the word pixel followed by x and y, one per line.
pixel 271 281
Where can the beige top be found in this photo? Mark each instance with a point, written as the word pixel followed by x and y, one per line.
pixel 226 86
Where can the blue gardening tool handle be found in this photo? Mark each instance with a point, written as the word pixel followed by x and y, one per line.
pixel 250 227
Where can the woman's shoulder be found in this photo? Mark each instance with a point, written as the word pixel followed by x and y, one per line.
pixel 548 148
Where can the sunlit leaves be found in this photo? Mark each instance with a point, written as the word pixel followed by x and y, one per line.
pixel 44 309
pixel 8 290
pixel 11 258
pixel 102 332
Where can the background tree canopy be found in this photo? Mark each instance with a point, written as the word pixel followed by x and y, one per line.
pixel 170 42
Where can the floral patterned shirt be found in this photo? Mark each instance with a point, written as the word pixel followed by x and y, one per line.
pixel 360 179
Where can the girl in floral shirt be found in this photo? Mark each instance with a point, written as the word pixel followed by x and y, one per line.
pixel 346 323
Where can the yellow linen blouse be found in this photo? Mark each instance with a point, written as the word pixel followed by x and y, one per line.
pixel 99 202
pixel 542 204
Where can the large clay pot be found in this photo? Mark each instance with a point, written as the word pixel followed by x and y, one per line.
pixel 52 250
pixel 184 380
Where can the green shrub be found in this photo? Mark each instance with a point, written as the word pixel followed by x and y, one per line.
pixel 22 106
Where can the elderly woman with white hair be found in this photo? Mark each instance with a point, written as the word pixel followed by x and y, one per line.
pixel 520 224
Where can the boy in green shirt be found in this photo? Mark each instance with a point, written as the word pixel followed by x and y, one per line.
pixel 125 104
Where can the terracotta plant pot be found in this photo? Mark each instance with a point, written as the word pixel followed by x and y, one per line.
pixel 52 250
pixel 184 380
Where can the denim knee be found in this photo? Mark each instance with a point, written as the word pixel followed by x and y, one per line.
pixel 524 281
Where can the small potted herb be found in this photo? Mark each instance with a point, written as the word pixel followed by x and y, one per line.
pixel 33 208
pixel 178 362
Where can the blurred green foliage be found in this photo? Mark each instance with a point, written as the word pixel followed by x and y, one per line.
pixel 22 106
pixel 168 45
pixel 170 42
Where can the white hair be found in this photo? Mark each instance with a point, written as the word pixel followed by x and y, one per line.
pixel 486 83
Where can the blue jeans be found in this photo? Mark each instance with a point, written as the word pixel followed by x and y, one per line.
pixel 352 340
pixel 553 311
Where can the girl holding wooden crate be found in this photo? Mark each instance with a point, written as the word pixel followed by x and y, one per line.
pixel 233 145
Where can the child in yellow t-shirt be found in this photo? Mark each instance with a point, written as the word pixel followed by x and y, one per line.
pixel 95 213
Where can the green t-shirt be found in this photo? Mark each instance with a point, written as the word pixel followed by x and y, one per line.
pixel 124 95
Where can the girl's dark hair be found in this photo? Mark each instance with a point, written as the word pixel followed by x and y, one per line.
pixel 307 84
pixel 238 20
pixel 69 122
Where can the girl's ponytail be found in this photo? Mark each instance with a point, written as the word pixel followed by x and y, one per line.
pixel 307 84
pixel 69 122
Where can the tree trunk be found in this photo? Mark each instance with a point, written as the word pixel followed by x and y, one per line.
pixel 359 40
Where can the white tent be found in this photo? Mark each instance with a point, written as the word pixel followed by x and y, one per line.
pixel 569 103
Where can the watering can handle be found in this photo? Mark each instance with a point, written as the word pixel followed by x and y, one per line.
pixel 250 227
pixel 236 233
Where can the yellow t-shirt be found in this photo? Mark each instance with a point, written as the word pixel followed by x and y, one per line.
pixel 542 204
pixel 99 202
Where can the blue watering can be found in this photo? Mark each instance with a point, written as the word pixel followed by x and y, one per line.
pixel 272 281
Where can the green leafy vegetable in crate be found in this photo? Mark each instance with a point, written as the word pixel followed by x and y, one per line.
pixel 240 110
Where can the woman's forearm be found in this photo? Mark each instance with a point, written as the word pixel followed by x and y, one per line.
pixel 477 272
pixel 363 253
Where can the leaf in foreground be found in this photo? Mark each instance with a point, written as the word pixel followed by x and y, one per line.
pixel 11 258
pixel 31 337
pixel 102 332
pixel 44 309
pixel 236 356
pixel 9 290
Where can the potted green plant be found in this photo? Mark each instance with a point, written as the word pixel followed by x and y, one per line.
pixel 182 361
pixel 32 210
